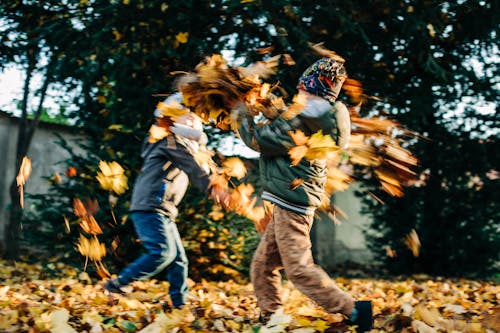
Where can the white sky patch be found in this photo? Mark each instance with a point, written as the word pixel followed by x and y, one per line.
pixel 234 146
pixel 11 87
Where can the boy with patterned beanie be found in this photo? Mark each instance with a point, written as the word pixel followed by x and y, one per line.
pixel 286 243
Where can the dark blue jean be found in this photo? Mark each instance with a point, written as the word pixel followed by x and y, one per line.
pixel 164 251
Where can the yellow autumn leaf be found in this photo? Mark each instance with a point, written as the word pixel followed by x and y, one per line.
pixel 182 37
pixel 337 180
pixel 112 177
pixel 91 248
pixel 172 110
pixel 216 214
pixel 320 325
pixel 8 318
pixel 157 133
pixel 319 146
pixel 234 167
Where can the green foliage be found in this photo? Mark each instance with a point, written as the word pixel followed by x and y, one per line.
pixel 218 247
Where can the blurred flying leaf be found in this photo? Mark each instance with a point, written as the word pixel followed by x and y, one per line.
pixel 157 133
pixel 112 177
pixel 22 176
pixel 413 242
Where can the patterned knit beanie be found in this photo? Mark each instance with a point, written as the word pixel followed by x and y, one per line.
pixel 324 78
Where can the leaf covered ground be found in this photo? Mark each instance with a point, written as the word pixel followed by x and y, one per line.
pixel 61 299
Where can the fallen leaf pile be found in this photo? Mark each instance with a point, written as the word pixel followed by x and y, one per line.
pixel 59 298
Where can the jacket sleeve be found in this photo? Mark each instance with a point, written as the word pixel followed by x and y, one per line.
pixel 272 139
pixel 185 161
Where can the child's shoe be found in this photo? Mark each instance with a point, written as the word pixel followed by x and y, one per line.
pixel 113 286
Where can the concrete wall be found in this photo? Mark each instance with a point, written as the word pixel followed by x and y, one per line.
pixel 45 156
pixel 336 244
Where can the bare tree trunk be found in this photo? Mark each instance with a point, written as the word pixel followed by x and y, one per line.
pixel 26 131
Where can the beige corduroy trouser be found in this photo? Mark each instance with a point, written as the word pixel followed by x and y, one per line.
pixel 286 244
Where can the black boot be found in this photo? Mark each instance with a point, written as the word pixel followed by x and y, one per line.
pixel 265 316
pixel 362 316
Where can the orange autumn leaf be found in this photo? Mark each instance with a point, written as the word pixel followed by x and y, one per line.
pixel 218 180
pixel 298 103
pixel 353 89
pixel 297 153
pixel 92 206
pixel 90 225
pixel 262 221
pixel 298 137
pixel 264 50
pixel 413 242
pixel 295 183
pixel 71 171
pixel 390 252
pixel 22 176
pixel 288 60
pixel 79 208
pixel 102 271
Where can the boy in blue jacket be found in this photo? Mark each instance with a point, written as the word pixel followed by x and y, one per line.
pixel 168 168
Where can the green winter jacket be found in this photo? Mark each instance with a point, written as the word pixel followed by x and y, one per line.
pixel 273 142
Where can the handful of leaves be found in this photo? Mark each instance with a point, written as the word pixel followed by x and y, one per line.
pixel 375 147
